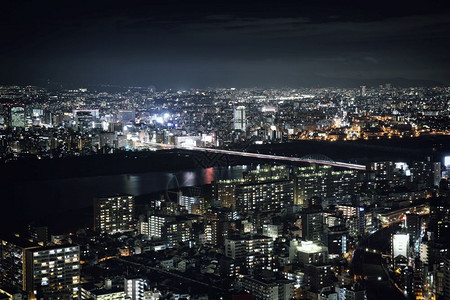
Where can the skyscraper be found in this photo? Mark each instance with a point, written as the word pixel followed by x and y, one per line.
pixel 17 116
pixel 240 122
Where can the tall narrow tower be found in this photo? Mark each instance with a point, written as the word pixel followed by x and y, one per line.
pixel 240 122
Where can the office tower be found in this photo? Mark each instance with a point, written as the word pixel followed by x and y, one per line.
pixel 240 122
pixel 53 272
pixel 400 244
pixel 134 288
pixel 363 90
pixel 113 213
pixel 17 116
pixel 312 225
pixel 12 261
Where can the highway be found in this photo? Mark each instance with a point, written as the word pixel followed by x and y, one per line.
pixel 262 156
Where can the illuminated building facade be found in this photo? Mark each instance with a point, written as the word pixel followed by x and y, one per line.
pixel 239 121
pixel 324 182
pixel 114 213
pixel 312 225
pixel 176 232
pixel 134 288
pixel 400 245
pixel 12 261
pixel 156 224
pixel 53 272
pixel 307 252
pixel 17 116
pixel 273 195
pixel 225 192
pixel 250 251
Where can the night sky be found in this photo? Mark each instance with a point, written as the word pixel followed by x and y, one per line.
pixel 183 44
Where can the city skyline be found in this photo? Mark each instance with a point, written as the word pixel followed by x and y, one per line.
pixel 227 149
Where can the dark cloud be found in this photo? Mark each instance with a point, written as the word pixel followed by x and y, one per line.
pixel 223 43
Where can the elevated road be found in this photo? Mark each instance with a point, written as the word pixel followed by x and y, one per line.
pixel 263 156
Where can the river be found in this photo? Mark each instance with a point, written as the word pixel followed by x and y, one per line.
pixel 25 200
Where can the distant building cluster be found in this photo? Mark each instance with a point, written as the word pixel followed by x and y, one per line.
pixel 50 123
pixel 279 232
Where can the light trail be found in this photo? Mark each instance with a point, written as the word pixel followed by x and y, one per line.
pixel 264 156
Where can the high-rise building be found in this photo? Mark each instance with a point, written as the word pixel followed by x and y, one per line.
pixel 426 174
pixel 114 213
pixel 176 232
pixel 17 116
pixel 413 226
pixel 188 202
pixel 240 122
pixel 53 272
pixel 12 261
pixel 272 195
pixel 400 244
pixel 250 251
pixel 134 288
pixel 323 182
pixel 446 271
pixel 156 224
pixel 363 90
pixel 225 192
pixel 312 225
pixel 85 119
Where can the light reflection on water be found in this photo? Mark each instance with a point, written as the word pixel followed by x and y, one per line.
pixel 47 196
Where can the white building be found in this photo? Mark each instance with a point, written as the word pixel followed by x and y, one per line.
pixel 240 122
pixel 308 252
pixel 134 288
pixel 400 244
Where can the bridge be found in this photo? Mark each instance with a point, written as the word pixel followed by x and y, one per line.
pixel 307 159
